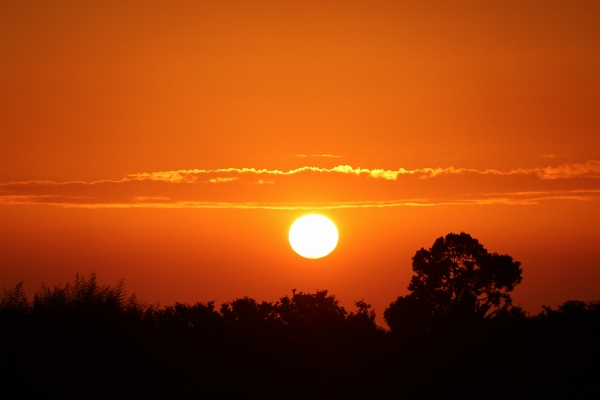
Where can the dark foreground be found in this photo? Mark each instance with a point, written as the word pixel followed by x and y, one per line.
pixel 89 341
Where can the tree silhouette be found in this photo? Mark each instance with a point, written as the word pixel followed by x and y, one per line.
pixel 87 335
pixel 83 297
pixel 14 300
pixel 455 278
pixel 250 322
pixel 311 316
pixel 194 329
pixel 364 318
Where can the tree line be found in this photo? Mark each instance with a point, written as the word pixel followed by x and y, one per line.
pixel 454 333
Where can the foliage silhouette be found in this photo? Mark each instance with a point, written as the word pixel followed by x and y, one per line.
pixel 97 342
pixel 310 316
pixel 252 325
pixel 14 300
pixel 364 318
pixel 455 279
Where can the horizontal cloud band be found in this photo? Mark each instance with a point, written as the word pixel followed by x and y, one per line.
pixel 314 187
pixel 590 169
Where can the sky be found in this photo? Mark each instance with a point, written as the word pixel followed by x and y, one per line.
pixel 173 144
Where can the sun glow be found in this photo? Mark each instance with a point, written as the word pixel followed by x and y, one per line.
pixel 313 236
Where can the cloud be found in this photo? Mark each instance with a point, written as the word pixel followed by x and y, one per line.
pixel 310 187
pixel 150 199
pixel 156 202
pixel 590 169
pixel 221 180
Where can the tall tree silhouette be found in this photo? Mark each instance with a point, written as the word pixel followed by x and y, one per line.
pixel 457 278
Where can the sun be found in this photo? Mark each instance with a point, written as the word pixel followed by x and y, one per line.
pixel 313 236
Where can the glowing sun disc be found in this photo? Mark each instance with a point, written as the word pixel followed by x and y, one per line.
pixel 313 236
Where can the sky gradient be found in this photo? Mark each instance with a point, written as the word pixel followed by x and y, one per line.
pixel 174 143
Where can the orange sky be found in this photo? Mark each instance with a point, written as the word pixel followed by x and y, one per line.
pixel 173 143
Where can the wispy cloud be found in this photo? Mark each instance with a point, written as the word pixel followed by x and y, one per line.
pixel 309 187
pixel 141 202
pixel 590 169
pixel 151 199
pixel 221 180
